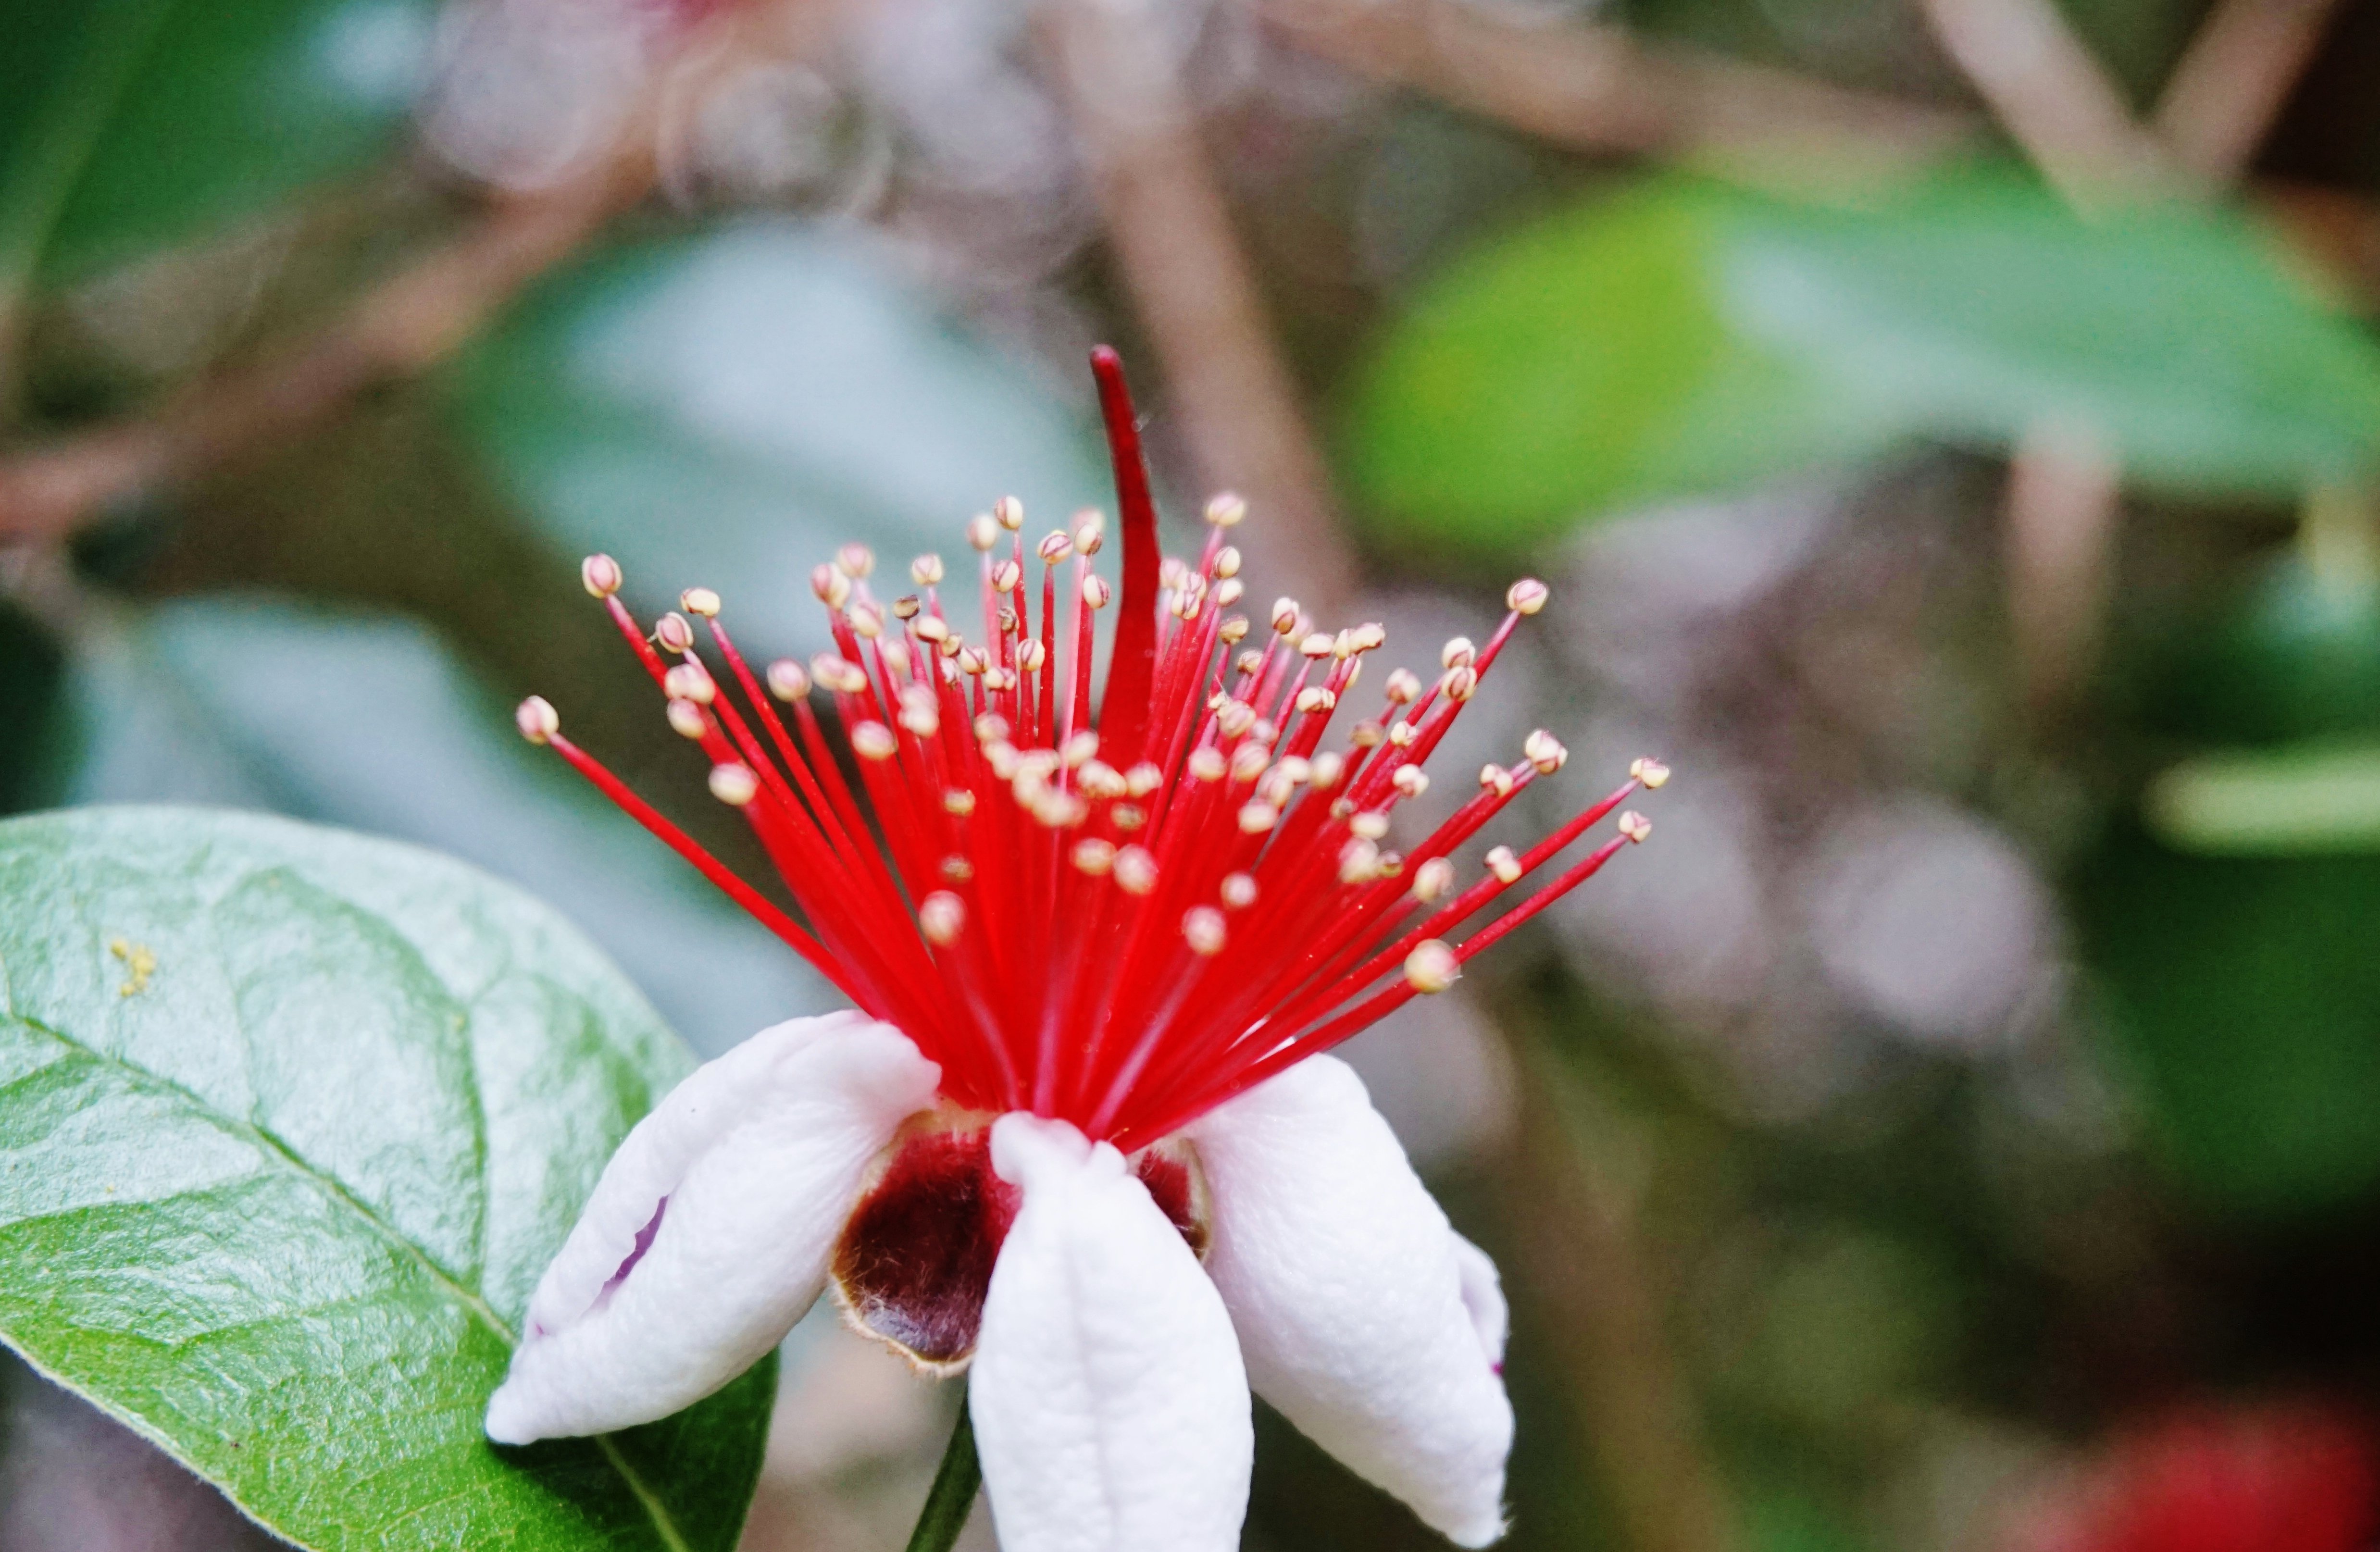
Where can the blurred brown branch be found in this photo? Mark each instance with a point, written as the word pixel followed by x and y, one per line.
pixel 1196 294
pixel 1578 1251
pixel 1596 87
pixel 406 325
pixel 2223 98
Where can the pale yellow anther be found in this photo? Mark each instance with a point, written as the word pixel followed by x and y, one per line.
pixel 1143 779
pixel 671 633
pixel 992 727
pixel 1370 826
pixel 1009 512
pixel 537 719
pixel 1135 870
pixel 1317 645
pixel 926 570
pixel 1649 773
pixel 1057 810
pixel 1090 530
pixel 1101 780
pixel 1432 879
pixel 1227 562
pixel 1314 699
pixel 1340 807
pixel 1128 815
pixel 1403 687
pixel 1368 735
pixel 970 661
pixel 1226 510
pixel 999 679
pixel 689 681
pixel 1239 891
pixel 1496 778
pixel 1329 766
pixel 1000 755
pixel 1203 927
pixel 1096 592
pixel 1295 769
pixel 1401 735
pixel 1228 592
pixel 1235 717
pixel 1359 862
pixel 1170 572
pixel 1031 656
pixel 1257 817
pixel 699 601
pixel 1545 751
pixel 734 785
pixel 829 586
pixel 1007 577
pixel 1248 762
pixel 1370 637
pixel 1275 788
pixel 932 629
pixel 871 740
pixel 1093 856
pixel 925 720
pixel 1043 763
pixel 1432 966
pixel 982 533
pixel 1055 546
pixel 866 619
pixel 958 802
pixel 941 917
pixel 1077 749
pixel 1458 652
pixel 1460 684
pixel 599 574
pixel 839 674
pixel 1410 780
pixel 1391 863
pixel 1263 733
pixel 896 659
pixel 1284 616
pixel 855 561
pixel 1504 865
pixel 1206 764
pixel 686 719
pixel 1636 826
pixel 1525 597
pixel 958 869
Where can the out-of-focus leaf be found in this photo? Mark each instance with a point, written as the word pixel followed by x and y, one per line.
pixel 1680 337
pixel 364 720
pixel 2296 657
pixel 294 1118
pixel 726 409
pixel 2282 803
pixel 32 673
pixel 2245 997
pixel 128 124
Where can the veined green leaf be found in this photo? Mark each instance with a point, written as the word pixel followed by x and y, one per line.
pixel 290 1123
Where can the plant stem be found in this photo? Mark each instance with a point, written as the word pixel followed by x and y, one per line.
pixel 952 1495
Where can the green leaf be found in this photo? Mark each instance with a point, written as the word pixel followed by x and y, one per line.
pixel 728 408
pixel 2280 803
pixel 130 124
pixel 2244 998
pixel 290 1123
pixel 1681 337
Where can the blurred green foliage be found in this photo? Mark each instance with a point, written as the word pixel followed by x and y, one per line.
pixel 129 125
pixel 1681 337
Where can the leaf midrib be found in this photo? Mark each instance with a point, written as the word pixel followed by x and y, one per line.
pixel 272 1146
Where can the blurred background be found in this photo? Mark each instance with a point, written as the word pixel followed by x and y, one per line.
pixel 1948 425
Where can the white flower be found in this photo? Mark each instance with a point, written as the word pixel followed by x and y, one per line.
pixel 1083 1134
pixel 1111 1373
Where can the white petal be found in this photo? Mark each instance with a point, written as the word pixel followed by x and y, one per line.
pixel 1357 1312
pixel 751 1165
pixel 1110 1410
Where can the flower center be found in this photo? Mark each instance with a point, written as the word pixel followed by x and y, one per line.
pixel 915 1261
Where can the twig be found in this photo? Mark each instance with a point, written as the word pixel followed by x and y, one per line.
pixel 407 325
pixel 1194 289
pixel 2223 98
pixel 2062 501
pixel 2053 98
pixel 1596 87
pixel 1579 1254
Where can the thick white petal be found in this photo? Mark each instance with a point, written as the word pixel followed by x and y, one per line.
pixel 1361 1315
pixel 1110 1410
pixel 752 1165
